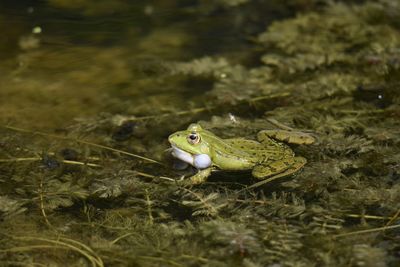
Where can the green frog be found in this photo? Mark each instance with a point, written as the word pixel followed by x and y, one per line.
pixel 265 157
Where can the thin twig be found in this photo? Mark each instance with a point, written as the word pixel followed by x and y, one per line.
pixel 41 192
pixel 82 142
pixel 396 215
pixel 148 203
pixel 72 162
pixel 368 231
pixel 121 237
pixel 268 180
pixel 87 252
pixel 154 176
pixel 372 217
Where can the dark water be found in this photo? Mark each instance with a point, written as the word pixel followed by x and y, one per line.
pixel 90 91
pixel 108 49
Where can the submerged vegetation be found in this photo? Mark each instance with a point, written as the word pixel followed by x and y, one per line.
pixel 85 179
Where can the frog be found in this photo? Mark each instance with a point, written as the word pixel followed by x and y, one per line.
pixel 265 157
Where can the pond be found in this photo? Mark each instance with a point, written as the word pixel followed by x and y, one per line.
pixel 90 91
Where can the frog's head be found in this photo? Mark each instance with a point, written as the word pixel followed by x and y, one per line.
pixel 193 140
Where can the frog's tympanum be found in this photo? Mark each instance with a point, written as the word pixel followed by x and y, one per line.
pixel 265 157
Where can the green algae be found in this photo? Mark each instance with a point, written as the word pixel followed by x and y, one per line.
pixel 85 179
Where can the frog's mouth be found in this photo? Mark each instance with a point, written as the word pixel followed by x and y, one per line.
pixel 199 161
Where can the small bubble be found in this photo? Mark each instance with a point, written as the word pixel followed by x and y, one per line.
pixel 37 30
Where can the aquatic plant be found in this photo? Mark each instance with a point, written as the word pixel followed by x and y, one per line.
pixel 99 191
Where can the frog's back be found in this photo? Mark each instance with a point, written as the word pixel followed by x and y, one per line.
pixel 229 155
pixel 258 152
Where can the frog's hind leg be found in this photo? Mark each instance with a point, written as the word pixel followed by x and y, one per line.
pixel 264 136
pixel 290 137
pixel 280 168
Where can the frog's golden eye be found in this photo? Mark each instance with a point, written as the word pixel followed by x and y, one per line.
pixel 193 138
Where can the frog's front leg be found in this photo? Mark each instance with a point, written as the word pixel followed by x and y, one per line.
pixel 291 137
pixel 280 168
pixel 201 176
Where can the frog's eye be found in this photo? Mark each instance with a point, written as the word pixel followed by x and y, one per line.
pixel 193 138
